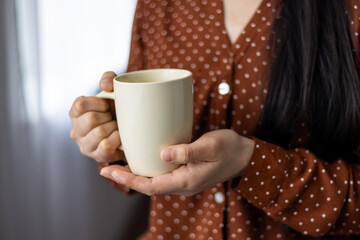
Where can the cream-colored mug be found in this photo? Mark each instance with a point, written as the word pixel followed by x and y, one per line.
pixel 154 109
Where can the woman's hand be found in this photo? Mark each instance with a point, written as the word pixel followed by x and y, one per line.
pixel 93 126
pixel 214 158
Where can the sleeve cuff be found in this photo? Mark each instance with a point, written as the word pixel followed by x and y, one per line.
pixel 262 179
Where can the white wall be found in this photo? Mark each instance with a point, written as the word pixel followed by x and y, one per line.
pixel 79 40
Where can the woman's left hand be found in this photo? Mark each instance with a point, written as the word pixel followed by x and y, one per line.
pixel 215 157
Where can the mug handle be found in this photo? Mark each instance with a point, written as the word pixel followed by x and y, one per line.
pixel 108 95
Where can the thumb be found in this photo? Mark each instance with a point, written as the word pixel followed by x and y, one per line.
pixel 106 81
pixel 179 154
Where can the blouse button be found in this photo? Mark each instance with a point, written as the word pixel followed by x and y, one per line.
pixel 219 197
pixel 223 88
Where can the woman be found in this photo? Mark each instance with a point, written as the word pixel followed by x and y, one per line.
pixel 276 120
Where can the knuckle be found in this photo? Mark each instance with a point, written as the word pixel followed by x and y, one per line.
pixel 150 193
pixel 150 189
pixel 213 143
pixel 101 157
pixel 100 132
pixel 83 147
pixel 105 146
pixel 79 103
pixel 83 150
pixel 92 118
pixel 182 154
pixel 72 134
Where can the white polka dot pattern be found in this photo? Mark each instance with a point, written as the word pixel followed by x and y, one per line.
pixel 283 194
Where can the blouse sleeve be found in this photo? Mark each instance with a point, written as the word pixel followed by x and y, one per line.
pixel 135 62
pixel 302 191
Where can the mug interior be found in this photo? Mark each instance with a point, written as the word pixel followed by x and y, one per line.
pixel 153 76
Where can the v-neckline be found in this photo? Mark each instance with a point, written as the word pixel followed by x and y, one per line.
pixel 246 31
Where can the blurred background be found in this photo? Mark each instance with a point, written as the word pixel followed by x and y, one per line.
pixel 52 51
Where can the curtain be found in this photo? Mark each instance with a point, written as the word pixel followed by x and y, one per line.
pixel 48 190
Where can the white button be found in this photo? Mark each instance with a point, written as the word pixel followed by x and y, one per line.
pixel 223 88
pixel 219 197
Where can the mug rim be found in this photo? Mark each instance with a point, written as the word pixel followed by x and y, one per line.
pixel 186 72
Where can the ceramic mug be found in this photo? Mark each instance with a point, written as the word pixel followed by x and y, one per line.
pixel 154 109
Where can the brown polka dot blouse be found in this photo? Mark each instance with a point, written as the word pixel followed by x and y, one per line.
pixel 283 193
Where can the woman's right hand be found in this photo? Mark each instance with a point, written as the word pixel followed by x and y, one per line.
pixel 94 126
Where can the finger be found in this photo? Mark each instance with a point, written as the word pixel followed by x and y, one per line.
pixel 187 153
pixel 101 166
pixel 108 149
pixel 92 140
pixel 121 176
pixel 85 104
pixel 87 122
pixel 120 187
pixel 106 81
pixel 163 184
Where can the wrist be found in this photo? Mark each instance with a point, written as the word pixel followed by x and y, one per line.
pixel 246 151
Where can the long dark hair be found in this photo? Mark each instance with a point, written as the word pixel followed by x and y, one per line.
pixel 314 78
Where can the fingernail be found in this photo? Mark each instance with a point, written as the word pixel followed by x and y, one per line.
pixel 166 155
pixel 105 173
pixel 106 80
